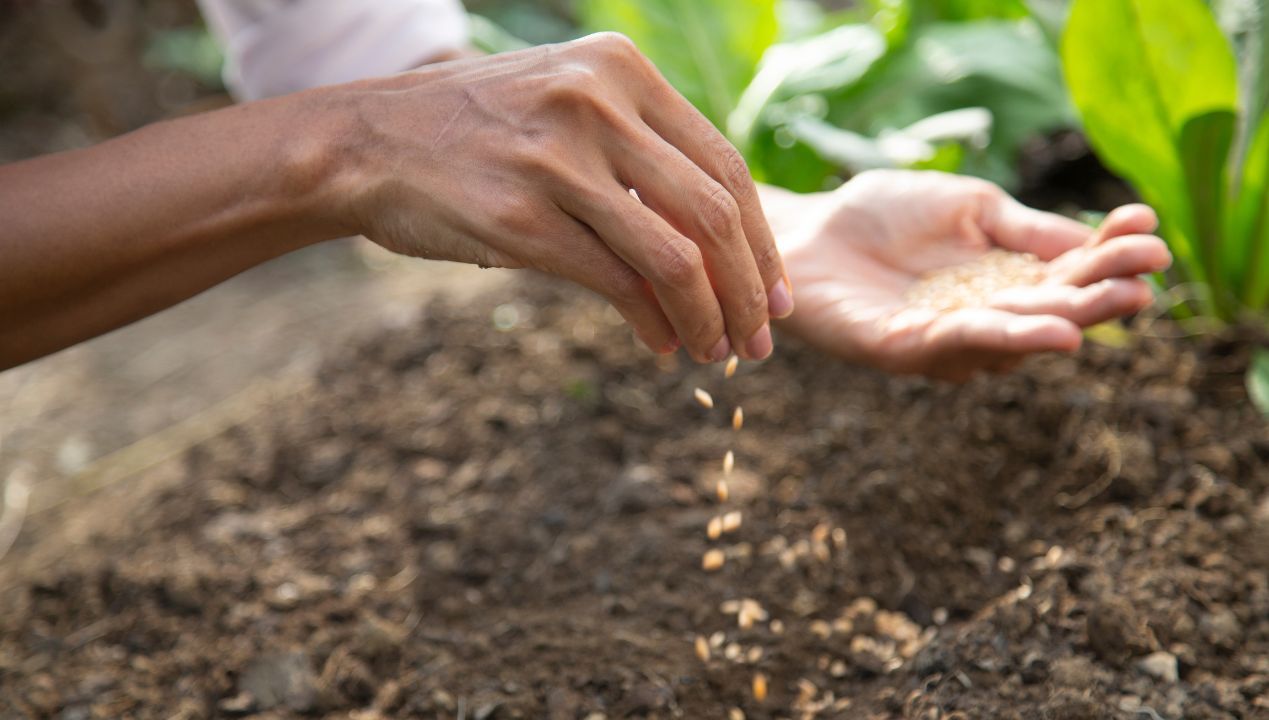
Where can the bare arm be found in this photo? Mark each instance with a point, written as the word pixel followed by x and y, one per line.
pixel 95 238
pixel 519 160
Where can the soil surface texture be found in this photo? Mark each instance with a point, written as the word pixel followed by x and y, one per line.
pixel 500 512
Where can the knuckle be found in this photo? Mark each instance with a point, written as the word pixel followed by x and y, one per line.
pixel 614 44
pixel 768 259
pixel 678 262
pixel 719 213
pixel 571 85
pixel 755 304
pixel 735 171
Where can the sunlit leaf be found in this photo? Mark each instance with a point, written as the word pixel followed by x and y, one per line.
pixel 707 49
pixel 1258 380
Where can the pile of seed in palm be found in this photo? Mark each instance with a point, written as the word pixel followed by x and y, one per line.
pixel 972 284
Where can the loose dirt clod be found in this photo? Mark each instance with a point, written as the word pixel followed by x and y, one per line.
pixel 737 418
pixel 729 462
pixel 712 560
pixel 759 687
pixel 733 362
pixel 702 648
pixel 704 398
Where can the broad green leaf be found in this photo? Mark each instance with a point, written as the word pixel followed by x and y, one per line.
pixel 1204 144
pixel 1258 380
pixel 860 84
pixel 487 36
pixel 707 49
pixel 1249 241
pixel 1138 70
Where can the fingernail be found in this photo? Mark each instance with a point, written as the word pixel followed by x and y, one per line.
pixel 759 346
pixel 779 300
pixel 672 345
pixel 721 350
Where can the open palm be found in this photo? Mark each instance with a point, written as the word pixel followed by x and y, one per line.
pixel 859 256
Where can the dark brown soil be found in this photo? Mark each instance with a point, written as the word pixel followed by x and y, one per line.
pixel 462 521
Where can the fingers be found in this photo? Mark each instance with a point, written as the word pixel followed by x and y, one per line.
pixel 1136 219
pixel 1124 256
pixel 702 210
pixel 598 268
pixel 987 330
pixel 1014 226
pixel 1084 306
pixel 670 116
pixel 673 265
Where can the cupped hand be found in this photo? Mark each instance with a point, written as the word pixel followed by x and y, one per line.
pixel 860 257
pixel 527 159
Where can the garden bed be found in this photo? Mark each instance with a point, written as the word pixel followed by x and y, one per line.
pixel 500 512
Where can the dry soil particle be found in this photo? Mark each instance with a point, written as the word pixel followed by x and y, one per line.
pixel 462 521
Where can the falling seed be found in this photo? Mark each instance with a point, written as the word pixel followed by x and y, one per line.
pixel 737 418
pixel 732 651
pixel 716 640
pixel 722 491
pixel 714 528
pixel 744 619
pixel 703 398
pixel 735 714
pixel 820 533
pixel 839 538
pixel 732 363
pixel 754 655
pixel 729 462
pixel 777 627
pixel 731 522
pixel 759 687
pixel 712 560
pixel 702 648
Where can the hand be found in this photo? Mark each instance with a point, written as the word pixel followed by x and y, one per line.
pixel 859 257
pixel 527 160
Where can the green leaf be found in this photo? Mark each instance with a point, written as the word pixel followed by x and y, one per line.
pixel 487 36
pixel 1258 380
pixel 1204 145
pixel 707 49
pixel 855 81
pixel 1139 70
pixel 1250 232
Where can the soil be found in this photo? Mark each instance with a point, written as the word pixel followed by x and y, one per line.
pixel 500 512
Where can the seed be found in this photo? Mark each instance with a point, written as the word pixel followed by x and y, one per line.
pixel 754 654
pixel 729 462
pixel 807 690
pixel 821 629
pixel 735 714
pixel 777 627
pixel 729 607
pixel 744 620
pixel 820 533
pixel 737 418
pixel 722 491
pixel 732 363
pixel 712 560
pixel 730 522
pixel 839 538
pixel 714 528
pixel 716 640
pixel 703 398
pixel 702 648
pixel 759 687
pixel 732 651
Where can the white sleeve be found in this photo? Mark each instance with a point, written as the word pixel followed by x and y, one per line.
pixel 273 47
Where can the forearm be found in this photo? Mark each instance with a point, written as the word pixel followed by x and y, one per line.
pixel 93 239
